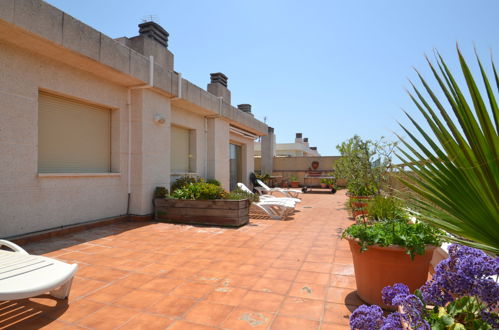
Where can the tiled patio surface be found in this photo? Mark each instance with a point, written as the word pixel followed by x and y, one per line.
pixel 294 274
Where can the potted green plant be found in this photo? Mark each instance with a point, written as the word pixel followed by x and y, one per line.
pixel 389 248
pixel 194 201
pixel 324 183
pixel 364 165
pixel 293 181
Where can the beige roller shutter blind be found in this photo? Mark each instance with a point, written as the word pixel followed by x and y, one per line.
pixel 179 150
pixel 73 137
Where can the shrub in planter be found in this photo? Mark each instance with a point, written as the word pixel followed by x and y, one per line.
pixel 203 203
pixel 293 180
pixel 462 294
pixel 386 208
pixel 239 194
pixel 364 164
pixel 184 181
pixel 388 252
pixel 214 181
pixel 160 192
pixel 198 190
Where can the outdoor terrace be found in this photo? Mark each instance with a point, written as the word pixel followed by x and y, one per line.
pixel 270 274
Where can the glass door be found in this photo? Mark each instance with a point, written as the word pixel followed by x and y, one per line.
pixel 236 170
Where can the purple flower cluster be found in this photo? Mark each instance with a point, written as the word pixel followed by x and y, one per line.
pixel 371 317
pixel 411 306
pixel 367 318
pixel 467 272
pixel 390 292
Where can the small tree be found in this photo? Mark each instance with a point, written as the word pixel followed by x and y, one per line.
pixel 364 164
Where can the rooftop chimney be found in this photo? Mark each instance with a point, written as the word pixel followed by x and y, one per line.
pixel 151 41
pixel 218 86
pixel 154 31
pixel 298 138
pixel 305 142
pixel 245 108
pixel 219 77
pixel 313 148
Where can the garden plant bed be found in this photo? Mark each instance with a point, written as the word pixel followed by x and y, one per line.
pixel 219 212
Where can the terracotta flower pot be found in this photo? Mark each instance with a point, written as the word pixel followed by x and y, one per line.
pixel 359 205
pixel 323 185
pixel 295 184
pixel 382 266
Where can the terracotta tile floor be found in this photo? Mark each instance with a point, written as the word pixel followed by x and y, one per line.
pixel 294 274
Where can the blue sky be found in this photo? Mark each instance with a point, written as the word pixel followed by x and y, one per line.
pixel 329 69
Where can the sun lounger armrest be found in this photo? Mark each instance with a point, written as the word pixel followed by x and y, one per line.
pixel 14 247
pixel 260 190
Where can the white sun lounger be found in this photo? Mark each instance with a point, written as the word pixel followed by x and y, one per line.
pixel 275 210
pixel 291 202
pixel 23 275
pixel 291 193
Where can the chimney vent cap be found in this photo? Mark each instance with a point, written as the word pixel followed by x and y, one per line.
pixel 154 31
pixel 219 77
pixel 299 135
pixel 244 107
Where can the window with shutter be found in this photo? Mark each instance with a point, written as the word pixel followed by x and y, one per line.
pixel 73 136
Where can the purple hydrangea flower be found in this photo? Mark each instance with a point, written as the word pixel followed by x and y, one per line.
pixel 390 292
pixel 367 318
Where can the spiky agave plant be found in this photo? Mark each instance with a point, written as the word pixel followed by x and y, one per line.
pixel 455 174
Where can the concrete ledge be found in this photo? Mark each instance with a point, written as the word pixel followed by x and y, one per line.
pixel 77 175
pixel 140 218
pixel 44 29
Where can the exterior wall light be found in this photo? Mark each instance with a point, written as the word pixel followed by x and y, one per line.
pixel 159 119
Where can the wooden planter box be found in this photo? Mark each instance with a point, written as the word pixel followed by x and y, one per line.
pixel 219 212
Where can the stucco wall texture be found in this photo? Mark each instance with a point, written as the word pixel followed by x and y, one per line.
pixel 40 51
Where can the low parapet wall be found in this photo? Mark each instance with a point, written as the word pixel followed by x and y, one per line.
pixel 285 167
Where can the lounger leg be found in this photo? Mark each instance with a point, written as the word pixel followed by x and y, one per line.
pixel 63 291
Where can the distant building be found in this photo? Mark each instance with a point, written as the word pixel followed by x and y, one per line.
pixel 300 148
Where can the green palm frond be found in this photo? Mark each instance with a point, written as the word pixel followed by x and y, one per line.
pixel 455 174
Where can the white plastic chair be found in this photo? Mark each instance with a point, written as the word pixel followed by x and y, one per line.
pixel 291 193
pixel 23 275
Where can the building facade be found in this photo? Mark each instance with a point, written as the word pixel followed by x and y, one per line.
pixel 300 148
pixel 90 125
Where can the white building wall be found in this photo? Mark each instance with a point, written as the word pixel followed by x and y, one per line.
pixel 28 202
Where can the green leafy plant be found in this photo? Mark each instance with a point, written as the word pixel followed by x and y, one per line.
pixel 386 208
pixel 293 178
pixel 214 181
pixel 413 236
pixel 265 177
pixel 160 192
pixel 198 190
pixel 183 182
pixel 364 164
pixel 455 174
pixel 328 181
pixel 239 194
